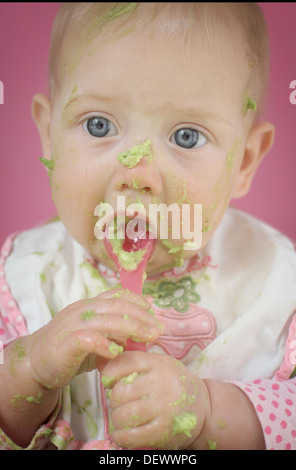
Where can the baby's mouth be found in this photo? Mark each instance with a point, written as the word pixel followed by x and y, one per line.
pixel 129 242
pixel 137 234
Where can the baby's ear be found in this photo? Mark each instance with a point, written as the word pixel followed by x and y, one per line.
pixel 259 142
pixel 41 112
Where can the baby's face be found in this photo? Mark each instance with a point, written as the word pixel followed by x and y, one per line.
pixel 186 99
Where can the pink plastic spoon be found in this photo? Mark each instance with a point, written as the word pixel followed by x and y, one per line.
pixel 133 280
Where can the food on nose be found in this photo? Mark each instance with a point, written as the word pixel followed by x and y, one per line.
pixel 132 156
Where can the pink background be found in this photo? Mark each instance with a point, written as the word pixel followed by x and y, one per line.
pixel 24 187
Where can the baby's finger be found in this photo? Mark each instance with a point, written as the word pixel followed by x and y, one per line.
pixel 80 343
pixel 129 388
pixel 149 435
pixel 130 362
pixel 133 414
pixel 125 302
pixel 127 296
pixel 120 326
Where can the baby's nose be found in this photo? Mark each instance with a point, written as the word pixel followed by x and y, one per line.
pixel 142 177
pixel 136 185
pixel 138 171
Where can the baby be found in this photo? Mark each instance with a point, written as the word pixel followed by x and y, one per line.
pixel 178 87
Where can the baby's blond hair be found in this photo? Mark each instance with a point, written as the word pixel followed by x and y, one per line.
pixel 74 18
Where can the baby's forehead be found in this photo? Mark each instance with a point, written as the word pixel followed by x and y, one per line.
pixel 112 21
pixel 187 23
pixel 212 28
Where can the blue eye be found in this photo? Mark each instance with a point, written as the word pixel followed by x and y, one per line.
pixel 98 126
pixel 189 138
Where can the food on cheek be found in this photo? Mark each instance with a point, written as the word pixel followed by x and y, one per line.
pixel 49 164
pixel 249 103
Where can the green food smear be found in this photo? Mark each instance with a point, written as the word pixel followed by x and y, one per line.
pixel 151 311
pixel 190 245
pixel 89 419
pixel 42 277
pixel 131 157
pixel 115 348
pixel 249 103
pixel 184 423
pixel 87 315
pixel 129 379
pixel 19 355
pixel 221 423
pixel 176 250
pixel 92 270
pixel 74 90
pixel 107 382
pixel 136 183
pixel 32 399
pixel 129 260
pixel 172 247
pixel 230 157
pixel 212 444
pixel 120 293
pixel 49 164
pixel 29 398
pixel 95 274
pixel 118 10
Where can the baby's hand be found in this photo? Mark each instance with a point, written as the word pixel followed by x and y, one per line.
pixel 156 401
pixel 88 331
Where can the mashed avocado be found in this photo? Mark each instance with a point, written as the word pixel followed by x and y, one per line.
pixel 249 103
pixel 87 315
pixel 115 348
pixel 129 379
pixel 131 157
pixel 107 381
pixel 129 260
pixel 184 423
pixel 49 164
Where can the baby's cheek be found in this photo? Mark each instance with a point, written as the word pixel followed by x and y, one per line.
pixel 73 205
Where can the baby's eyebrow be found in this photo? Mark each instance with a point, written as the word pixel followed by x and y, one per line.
pixel 196 113
pixel 185 109
pixel 207 115
pixel 75 99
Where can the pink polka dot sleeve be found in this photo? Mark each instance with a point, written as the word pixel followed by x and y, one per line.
pixel 275 405
pixel 12 322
